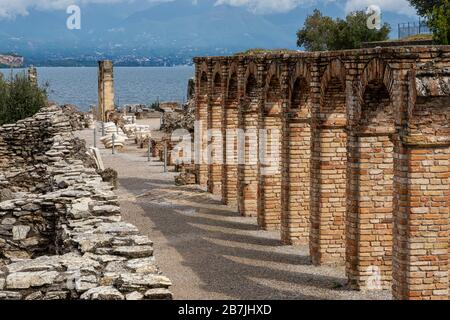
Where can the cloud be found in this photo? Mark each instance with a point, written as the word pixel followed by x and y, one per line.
pixel 398 6
pixel 13 8
pixel 266 6
pixel 272 6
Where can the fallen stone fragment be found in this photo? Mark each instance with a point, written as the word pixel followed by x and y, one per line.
pixel 102 293
pixel 134 251
pixel 134 296
pixel 138 282
pixel 25 280
pixel 158 294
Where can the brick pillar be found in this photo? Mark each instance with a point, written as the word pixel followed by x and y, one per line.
pixel 201 128
pixel 230 134
pixel 296 167
pixel 269 171
pixel 369 212
pixel 215 140
pixel 421 232
pixel 248 148
pixel 370 190
pixel 328 177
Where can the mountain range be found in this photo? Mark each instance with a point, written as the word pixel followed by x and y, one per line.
pixel 146 30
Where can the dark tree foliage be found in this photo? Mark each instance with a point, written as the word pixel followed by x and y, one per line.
pixel 321 33
pixel 19 99
pixel 425 7
pixel 439 22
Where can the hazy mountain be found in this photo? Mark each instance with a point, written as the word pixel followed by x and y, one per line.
pixel 173 28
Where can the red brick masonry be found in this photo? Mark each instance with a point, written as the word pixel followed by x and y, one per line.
pixel 361 173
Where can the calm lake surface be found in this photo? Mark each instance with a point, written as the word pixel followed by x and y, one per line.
pixel 78 85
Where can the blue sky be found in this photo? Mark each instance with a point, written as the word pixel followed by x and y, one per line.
pixel 13 8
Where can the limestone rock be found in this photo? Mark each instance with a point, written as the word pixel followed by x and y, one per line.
pixel 102 293
pixel 25 280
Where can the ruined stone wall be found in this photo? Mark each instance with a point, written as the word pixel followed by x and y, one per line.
pixel 364 159
pixel 65 239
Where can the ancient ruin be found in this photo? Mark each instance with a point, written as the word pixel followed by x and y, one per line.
pixel 61 229
pixel 106 102
pixel 360 170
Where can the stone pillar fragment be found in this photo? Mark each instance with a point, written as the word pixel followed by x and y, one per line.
pixel 105 89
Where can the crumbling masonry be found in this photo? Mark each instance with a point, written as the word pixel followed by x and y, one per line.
pixel 362 171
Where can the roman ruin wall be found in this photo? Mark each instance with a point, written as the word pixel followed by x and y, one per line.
pixel 61 234
pixel 360 168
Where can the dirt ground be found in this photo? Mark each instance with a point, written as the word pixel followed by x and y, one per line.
pixel 207 249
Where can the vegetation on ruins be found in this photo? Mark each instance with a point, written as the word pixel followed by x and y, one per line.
pixel 440 23
pixel 438 14
pixel 424 7
pixel 322 33
pixel 19 99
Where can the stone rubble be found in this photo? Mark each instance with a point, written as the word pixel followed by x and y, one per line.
pixel 65 239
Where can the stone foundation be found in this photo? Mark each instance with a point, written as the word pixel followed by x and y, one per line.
pixel 65 239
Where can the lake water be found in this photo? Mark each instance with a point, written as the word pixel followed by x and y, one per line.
pixel 78 85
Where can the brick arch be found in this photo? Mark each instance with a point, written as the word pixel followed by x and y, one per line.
pixel 376 84
pixel 233 80
pixel 300 90
pixel 252 71
pixel 333 90
pixel 203 84
pixel 216 77
pixel 274 73
pixel 428 112
pixel 335 70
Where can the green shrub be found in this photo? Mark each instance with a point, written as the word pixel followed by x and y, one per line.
pixel 19 99
pixel 439 22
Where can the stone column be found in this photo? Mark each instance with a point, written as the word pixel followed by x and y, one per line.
pixel 32 75
pixel 105 89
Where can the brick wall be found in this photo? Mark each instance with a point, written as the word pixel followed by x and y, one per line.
pixel 364 162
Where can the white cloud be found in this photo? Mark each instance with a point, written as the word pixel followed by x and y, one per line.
pixel 398 6
pixel 270 6
pixel 266 6
pixel 12 8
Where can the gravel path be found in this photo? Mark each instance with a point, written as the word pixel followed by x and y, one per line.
pixel 207 249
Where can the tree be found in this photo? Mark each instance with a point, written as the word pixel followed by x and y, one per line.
pixel 425 7
pixel 317 33
pixel 19 98
pixel 439 22
pixel 322 33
